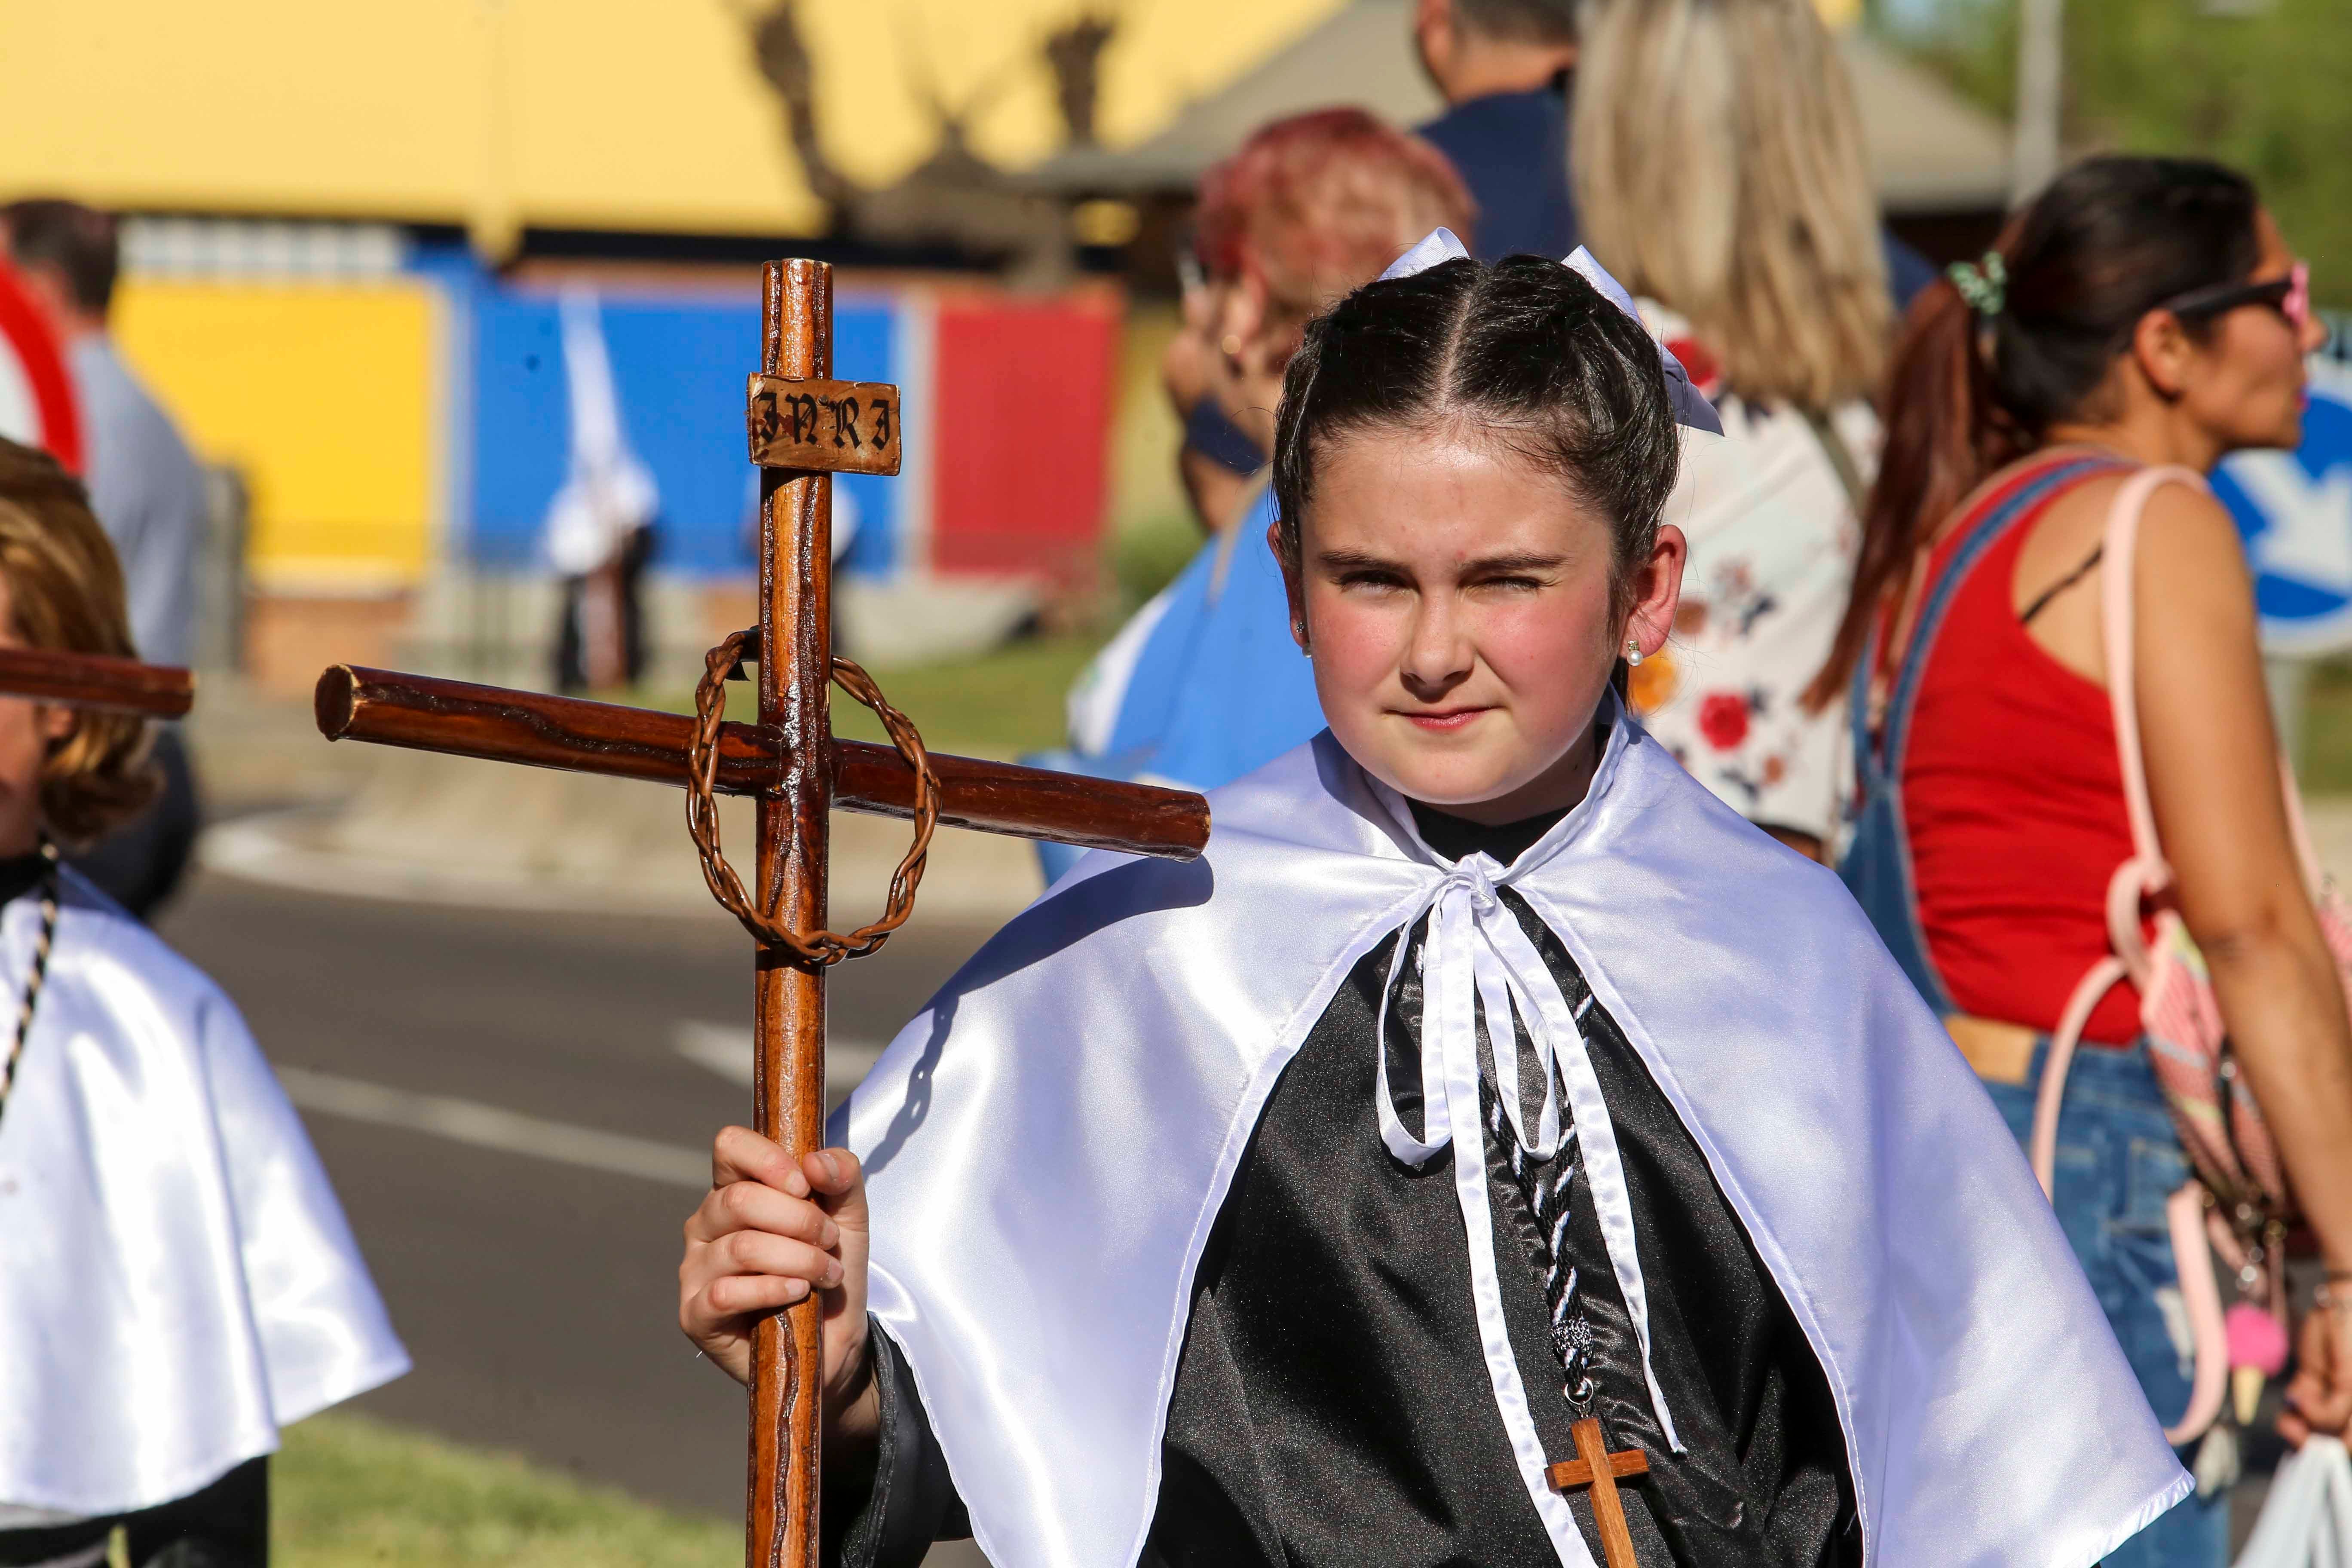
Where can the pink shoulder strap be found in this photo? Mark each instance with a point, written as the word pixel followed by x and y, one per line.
pixel 2116 604
pixel 2116 597
pixel 2146 871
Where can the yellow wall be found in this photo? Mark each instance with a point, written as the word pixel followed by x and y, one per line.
pixel 323 394
pixel 628 114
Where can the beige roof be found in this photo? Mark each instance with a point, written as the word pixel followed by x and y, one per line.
pixel 1928 148
pixel 1362 57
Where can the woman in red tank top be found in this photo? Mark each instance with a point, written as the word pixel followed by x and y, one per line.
pixel 2012 796
pixel 2142 312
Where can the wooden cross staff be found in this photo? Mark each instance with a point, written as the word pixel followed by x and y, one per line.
pixel 95 680
pixel 1597 1468
pixel 805 426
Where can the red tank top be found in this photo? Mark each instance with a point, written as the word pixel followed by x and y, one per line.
pixel 2013 802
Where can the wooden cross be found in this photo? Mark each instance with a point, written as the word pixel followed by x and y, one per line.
pixel 96 681
pixel 1596 1468
pixel 803 427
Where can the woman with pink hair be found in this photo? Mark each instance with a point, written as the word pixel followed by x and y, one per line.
pixel 1203 684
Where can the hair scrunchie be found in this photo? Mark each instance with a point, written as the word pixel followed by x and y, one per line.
pixel 1985 286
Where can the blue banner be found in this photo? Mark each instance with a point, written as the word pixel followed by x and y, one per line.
pixel 2295 511
pixel 679 364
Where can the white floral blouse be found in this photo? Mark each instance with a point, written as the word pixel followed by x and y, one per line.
pixel 1771 556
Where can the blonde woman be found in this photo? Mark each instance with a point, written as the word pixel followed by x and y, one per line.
pixel 1718 167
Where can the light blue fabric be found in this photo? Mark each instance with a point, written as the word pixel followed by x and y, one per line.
pixel 149 495
pixel 1220 690
pixel 1217 689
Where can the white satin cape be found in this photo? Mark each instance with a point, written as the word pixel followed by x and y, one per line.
pixel 1050 1141
pixel 176 1278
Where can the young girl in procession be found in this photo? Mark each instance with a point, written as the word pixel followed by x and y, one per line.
pixel 176 1278
pixel 1487 1077
pixel 2044 578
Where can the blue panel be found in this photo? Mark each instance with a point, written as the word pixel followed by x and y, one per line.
pixel 679 365
pixel 866 348
pixel 680 368
pixel 521 438
pixel 2294 513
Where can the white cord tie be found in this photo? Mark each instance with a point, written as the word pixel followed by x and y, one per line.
pixel 1478 959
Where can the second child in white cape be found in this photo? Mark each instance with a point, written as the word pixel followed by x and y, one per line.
pixel 1486 1075
pixel 177 1282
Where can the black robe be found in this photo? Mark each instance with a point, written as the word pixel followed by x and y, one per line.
pixel 1332 1405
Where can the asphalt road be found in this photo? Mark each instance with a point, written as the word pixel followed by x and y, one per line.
pixel 512 1107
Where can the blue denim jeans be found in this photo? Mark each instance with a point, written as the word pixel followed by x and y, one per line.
pixel 2118 1159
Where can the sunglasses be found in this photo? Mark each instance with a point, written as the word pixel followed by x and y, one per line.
pixel 2290 296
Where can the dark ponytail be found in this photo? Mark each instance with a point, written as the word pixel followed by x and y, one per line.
pixel 1970 390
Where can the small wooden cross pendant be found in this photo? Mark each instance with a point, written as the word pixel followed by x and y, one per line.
pixel 1596 1468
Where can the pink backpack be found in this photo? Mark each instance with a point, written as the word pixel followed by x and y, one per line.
pixel 2238 1200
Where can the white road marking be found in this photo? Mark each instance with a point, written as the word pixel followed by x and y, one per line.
pixel 488 1127
pixel 726 1049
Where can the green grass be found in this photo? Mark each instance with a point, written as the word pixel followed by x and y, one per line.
pixel 997 704
pixel 350 1492
pixel 1152 533
pixel 1147 554
pixel 2328 730
pixel 1003 703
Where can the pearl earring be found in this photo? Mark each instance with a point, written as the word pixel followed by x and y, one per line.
pixel 1632 652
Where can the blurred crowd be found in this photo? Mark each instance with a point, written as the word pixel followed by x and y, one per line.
pixel 1961 617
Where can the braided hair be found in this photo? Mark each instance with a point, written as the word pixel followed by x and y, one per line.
pixel 1527 353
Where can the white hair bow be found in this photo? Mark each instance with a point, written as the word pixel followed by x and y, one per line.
pixel 1691 406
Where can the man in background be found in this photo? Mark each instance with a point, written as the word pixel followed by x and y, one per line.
pixel 148 494
pixel 1504 66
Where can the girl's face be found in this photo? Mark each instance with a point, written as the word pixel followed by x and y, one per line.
pixel 27 731
pixel 1455 600
pixel 2245 386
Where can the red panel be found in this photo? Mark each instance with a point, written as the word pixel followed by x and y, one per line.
pixel 1022 434
pixel 26 334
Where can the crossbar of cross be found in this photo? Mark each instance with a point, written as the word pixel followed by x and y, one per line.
pixel 1597 1468
pixel 803 427
pixel 571 734
pixel 97 682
